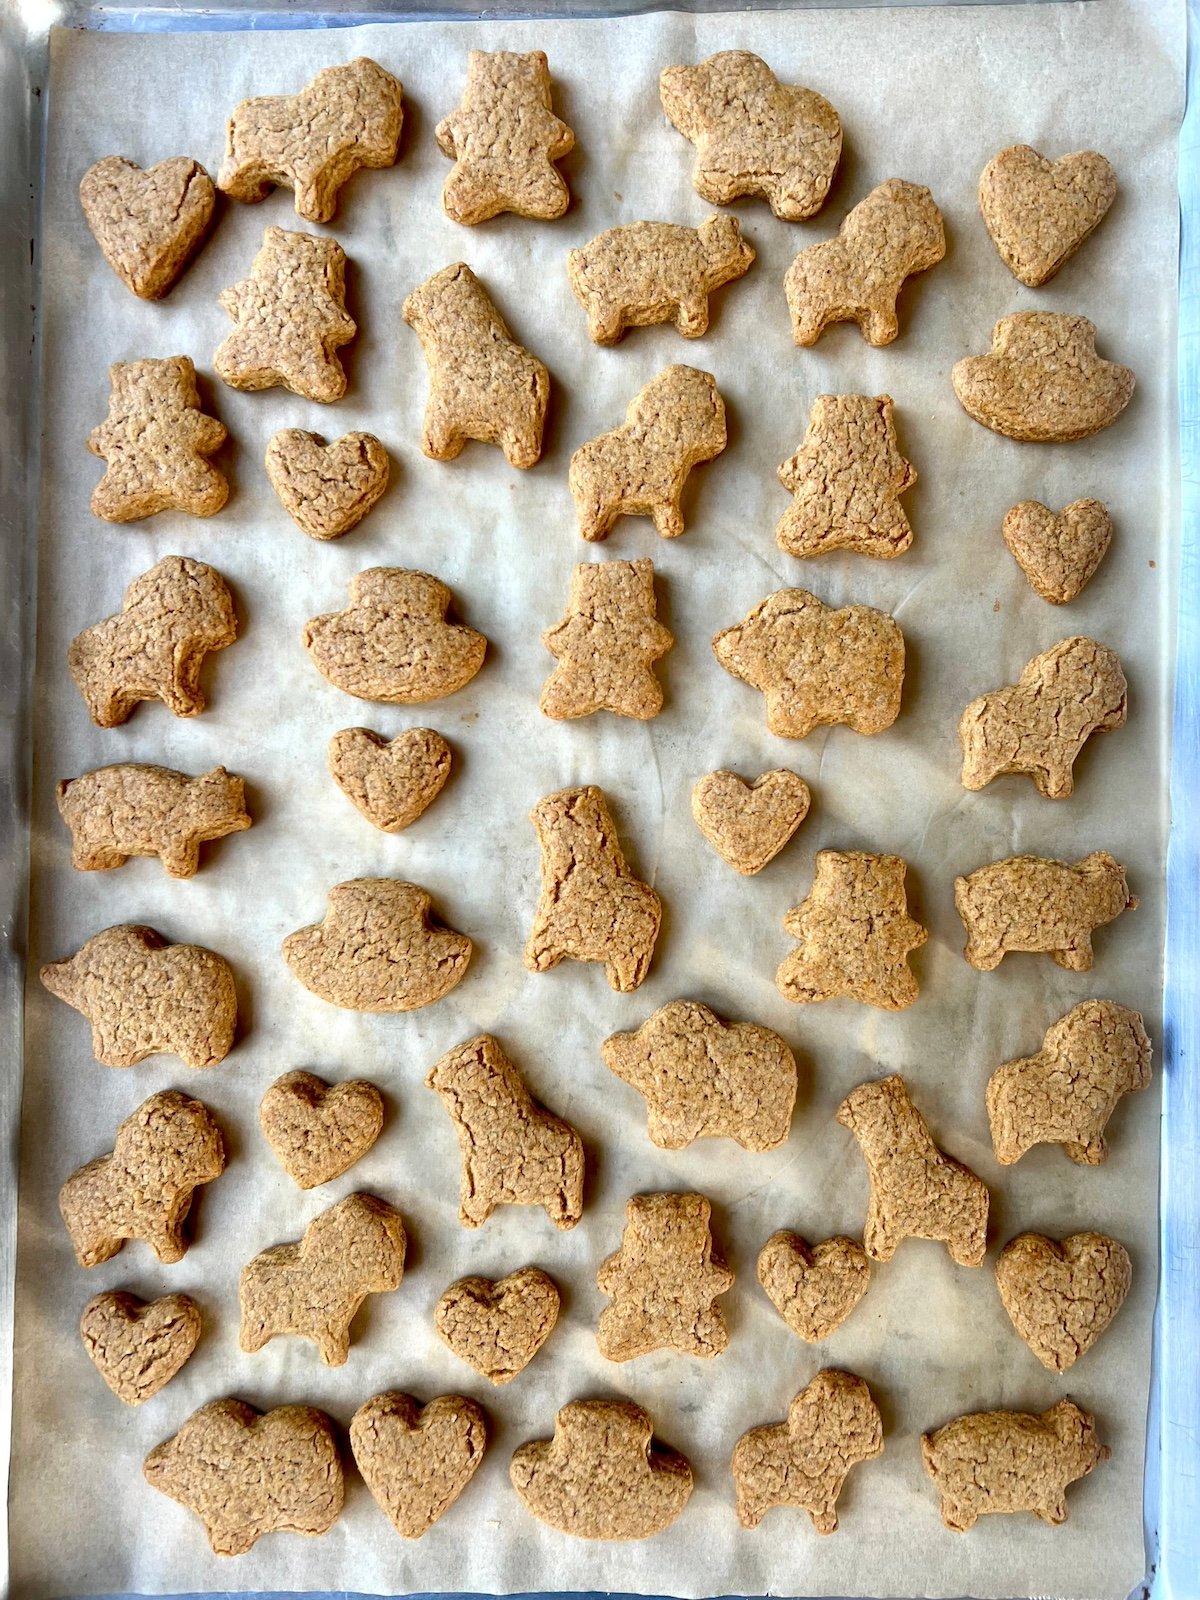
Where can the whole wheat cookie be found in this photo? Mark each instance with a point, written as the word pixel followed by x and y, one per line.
pixel 130 810
pixel 514 1151
pixel 753 134
pixel 816 666
pixel 245 1473
pixel 145 996
pixel 155 443
pixel 831 1426
pixel 1058 551
pixel 917 1191
pixel 603 1475
pixel 607 644
pixel 1042 380
pixel 318 1130
pixel 702 1077
pixel 1066 1093
pixel 148 223
pixel 504 140
pixel 639 469
pixel 748 824
pixel 855 934
pixel 154 647
pixel 664 1281
pixel 643 273
pixel 591 907
pixel 1039 212
pixel 1029 903
pixel 392 782
pixel 846 480
pixel 1005 1461
pixel 857 276
pixel 1060 1297
pixel 417 1459
pixel 326 489
pixel 482 384
pixel 378 948
pixel 498 1327
pixel 347 118
pixel 291 319
pixel 136 1346
pixel 813 1288
pixel 163 1152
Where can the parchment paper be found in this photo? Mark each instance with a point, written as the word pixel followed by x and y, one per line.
pixel 929 95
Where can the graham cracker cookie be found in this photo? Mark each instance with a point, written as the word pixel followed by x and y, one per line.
pixel 846 480
pixel 1060 1297
pixel 318 1130
pixel 132 810
pixel 391 782
pixel 326 489
pixel 148 224
pixel 1030 903
pixel 136 1346
pixel 748 824
pixel 607 644
pixel 417 1459
pixel 1039 212
pixel 498 1327
pixel 1058 551
pixel 155 443
pixel 813 1288
pixel 664 1281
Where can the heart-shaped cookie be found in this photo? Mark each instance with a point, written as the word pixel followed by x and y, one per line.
pixel 391 783
pixel 138 1346
pixel 748 824
pixel 416 1460
pixel 1039 212
pixel 814 1289
pixel 1058 551
pixel 1061 1297
pixel 147 223
pixel 326 489
pixel 498 1327
pixel 317 1131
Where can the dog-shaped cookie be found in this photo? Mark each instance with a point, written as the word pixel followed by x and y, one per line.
pixel 130 810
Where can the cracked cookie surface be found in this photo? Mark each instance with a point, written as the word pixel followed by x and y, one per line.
pixel 846 480
pixel 748 824
pixel 326 489
pixel 498 1327
pixel 417 1459
pixel 147 223
pixel 855 934
pixel 1033 904
pixel 664 1281
pixel 133 810
pixel 607 644
pixel 391 782
pixel 1058 551
pixel 1060 1297
pixel 155 443
pixel 814 1288
pixel 138 1346
pixel 318 1130
pixel 1039 212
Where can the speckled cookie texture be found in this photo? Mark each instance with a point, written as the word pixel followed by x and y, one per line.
pixel 318 1130
pixel 148 223
pixel 514 1151
pixel 130 810
pixel 155 443
pixel 1039 212
pixel 857 276
pixel 379 948
pixel 591 906
pixel 748 824
pixel 664 1281
pixel 137 1346
pixel 1030 903
pixel 1006 1461
pixel 831 1426
pixel 1039 725
pixel 391 781
pixel 504 140
pixel 607 644
pixel 816 666
pixel 245 1473
pixel 145 996
pixel 846 480
pixel 639 469
pixel 347 118
pixel 814 1288
pixel 163 1152
pixel 326 489
pixel 603 1475
pixel 753 134
pixel 855 934
pixel 498 1327
pixel 1060 1297
pixel 417 1459
pixel 702 1077
pixel 1066 1093
pixel 1058 551
pixel 154 647
pixel 917 1192
pixel 1042 380
pixel 644 273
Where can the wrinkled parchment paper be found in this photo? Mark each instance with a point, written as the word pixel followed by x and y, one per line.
pixel 929 95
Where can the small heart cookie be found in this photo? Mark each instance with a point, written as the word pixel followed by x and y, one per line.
pixel 138 1346
pixel 326 489
pixel 317 1131
pixel 498 1327
pixel 1039 212
pixel 1061 1297
pixel 390 783
pixel 748 824
pixel 416 1460
pixel 813 1289
pixel 1058 551
pixel 147 223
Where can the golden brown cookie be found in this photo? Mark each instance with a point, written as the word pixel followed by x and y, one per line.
pixel 417 1459
pixel 318 1130
pixel 1058 551
pixel 137 1346
pixel 326 489
pixel 392 782
pixel 814 1289
pixel 498 1327
pixel 1061 1297
pixel 748 824
pixel 148 224
pixel 1039 212
pixel 607 644
pixel 155 443
pixel 1029 903
pixel 664 1281
pixel 130 810
pixel 846 480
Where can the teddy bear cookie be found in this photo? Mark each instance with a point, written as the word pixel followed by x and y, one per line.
pixel 326 489
pixel 664 1281
pixel 1058 551
pixel 318 1130
pixel 607 644
pixel 1060 1297
pixel 1029 903
pixel 813 1288
pixel 498 1327
pixel 138 1347
pixel 504 140
pixel 391 782
pixel 748 824
pixel 148 224
pixel 347 118
pixel 130 810
pixel 1042 380
pixel 1039 212
pixel 155 444
pixel 846 480
pixel 417 1459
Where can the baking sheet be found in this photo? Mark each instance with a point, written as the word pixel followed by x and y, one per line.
pixel 926 96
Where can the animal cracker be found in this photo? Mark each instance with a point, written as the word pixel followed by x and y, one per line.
pixel 148 224
pixel 664 1281
pixel 391 782
pixel 1029 903
pixel 130 810
pixel 417 1459
pixel 326 489
pixel 155 443
pixel 318 1130
pixel 846 480
pixel 607 644
pixel 498 1327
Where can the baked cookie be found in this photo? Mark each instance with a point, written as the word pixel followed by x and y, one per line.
pixel 748 824
pixel 664 1281
pixel 318 1130
pixel 1058 551
pixel 155 443
pixel 813 1288
pixel 148 224
pixel 392 782
pixel 846 480
pixel 498 1327
pixel 130 810
pixel 416 1460
pixel 1029 903
pixel 1061 1297
pixel 1039 212
pixel 326 489
pixel 138 1347
pixel 607 644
